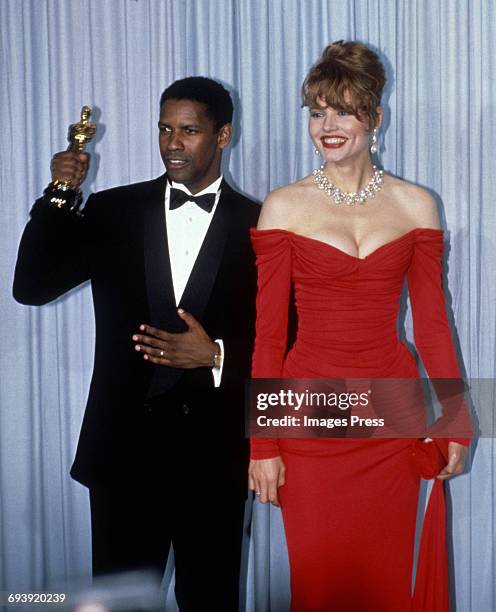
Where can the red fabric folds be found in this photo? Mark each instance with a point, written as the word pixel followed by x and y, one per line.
pixel 431 582
pixel 347 327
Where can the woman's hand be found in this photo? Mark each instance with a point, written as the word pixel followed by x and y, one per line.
pixel 457 455
pixel 265 476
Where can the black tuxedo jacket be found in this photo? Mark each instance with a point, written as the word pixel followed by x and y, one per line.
pixel 120 245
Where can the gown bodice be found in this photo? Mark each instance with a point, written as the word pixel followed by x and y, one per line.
pixel 348 307
pixel 347 311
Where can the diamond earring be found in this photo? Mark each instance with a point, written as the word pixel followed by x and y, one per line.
pixel 373 144
pixel 317 152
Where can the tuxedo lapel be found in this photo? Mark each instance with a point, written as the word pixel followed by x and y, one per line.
pixel 160 290
pixel 159 286
pixel 158 278
pixel 202 278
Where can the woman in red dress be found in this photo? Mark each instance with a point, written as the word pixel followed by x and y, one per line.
pixel 346 238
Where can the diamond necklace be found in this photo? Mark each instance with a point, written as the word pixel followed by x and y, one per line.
pixel 349 197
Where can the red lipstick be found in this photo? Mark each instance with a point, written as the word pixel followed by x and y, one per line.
pixel 333 142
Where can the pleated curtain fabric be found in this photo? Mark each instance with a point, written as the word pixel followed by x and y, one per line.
pixel 118 56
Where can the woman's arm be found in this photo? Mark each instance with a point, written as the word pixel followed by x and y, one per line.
pixel 273 251
pixel 432 333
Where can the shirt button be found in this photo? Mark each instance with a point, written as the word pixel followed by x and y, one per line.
pixel 190 219
pixel 187 252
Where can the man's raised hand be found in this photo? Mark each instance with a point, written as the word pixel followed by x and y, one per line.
pixel 69 166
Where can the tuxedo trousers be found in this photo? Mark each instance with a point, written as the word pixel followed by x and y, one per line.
pixel 177 494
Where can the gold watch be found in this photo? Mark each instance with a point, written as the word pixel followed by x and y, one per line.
pixel 218 358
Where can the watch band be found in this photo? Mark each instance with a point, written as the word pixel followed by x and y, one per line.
pixel 217 359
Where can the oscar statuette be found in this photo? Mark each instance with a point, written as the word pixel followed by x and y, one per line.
pixel 62 194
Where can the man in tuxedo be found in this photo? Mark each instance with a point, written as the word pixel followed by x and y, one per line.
pixel 162 447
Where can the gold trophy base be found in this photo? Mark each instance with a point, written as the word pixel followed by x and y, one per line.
pixel 60 194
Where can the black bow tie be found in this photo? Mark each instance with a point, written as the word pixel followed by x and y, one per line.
pixel 177 198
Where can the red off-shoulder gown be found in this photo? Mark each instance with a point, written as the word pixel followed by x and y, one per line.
pixel 349 506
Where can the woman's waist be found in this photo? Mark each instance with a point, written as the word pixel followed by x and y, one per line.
pixel 388 358
pixel 348 331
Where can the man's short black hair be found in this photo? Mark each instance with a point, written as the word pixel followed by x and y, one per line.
pixel 212 94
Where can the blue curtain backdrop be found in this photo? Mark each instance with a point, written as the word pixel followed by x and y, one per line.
pixel 117 56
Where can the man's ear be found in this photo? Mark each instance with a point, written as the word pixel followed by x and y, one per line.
pixel 224 136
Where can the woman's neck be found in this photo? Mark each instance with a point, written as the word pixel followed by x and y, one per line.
pixel 349 175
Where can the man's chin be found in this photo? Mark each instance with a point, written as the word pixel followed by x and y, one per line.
pixel 178 175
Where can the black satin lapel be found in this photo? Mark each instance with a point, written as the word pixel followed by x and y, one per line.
pixel 158 273
pixel 202 278
pixel 159 287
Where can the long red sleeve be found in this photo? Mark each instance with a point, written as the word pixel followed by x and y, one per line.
pixel 273 251
pixel 432 334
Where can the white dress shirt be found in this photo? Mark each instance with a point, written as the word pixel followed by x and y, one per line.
pixel 187 227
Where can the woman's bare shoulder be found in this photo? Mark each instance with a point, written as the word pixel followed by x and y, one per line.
pixel 415 202
pixel 282 206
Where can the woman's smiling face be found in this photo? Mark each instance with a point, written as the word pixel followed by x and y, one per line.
pixel 337 134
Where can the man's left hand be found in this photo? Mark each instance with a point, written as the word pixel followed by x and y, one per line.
pixel 190 349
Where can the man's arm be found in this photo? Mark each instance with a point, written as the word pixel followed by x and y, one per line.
pixel 54 255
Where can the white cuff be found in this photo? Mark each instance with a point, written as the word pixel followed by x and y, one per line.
pixel 217 372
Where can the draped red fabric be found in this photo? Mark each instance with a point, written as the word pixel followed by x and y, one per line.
pixel 349 506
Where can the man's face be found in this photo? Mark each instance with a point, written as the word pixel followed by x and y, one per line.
pixel 190 147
